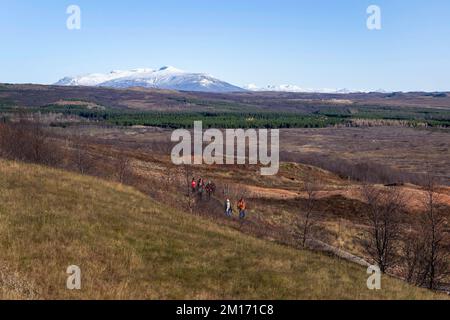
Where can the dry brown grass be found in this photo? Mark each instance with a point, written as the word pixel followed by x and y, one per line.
pixel 128 246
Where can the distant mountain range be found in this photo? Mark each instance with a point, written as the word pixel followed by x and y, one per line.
pixel 295 88
pixel 164 78
pixel 174 79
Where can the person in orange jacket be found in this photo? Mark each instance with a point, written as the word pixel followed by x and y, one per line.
pixel 242 206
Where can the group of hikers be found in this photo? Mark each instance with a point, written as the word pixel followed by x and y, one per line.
pixel 241 205
pixel 199 187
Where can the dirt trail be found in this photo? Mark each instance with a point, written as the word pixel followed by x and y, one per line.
pixel 318 245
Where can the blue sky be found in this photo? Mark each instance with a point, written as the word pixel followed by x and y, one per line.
pixel 310 43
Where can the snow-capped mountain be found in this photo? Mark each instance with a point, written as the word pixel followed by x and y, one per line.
pixel 163 78
pixel 289 88
pixel 295 88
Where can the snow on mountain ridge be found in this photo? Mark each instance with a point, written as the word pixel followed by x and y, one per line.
pixel 288 88
pixel 298 89
pixel 167 77
pixel 171 78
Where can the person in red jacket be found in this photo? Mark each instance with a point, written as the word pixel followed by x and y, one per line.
pixel 193 185
pixel 242 206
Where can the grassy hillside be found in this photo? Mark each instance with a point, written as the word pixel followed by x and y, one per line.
pixel 131 247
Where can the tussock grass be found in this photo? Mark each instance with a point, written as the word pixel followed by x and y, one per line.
pixel 129 246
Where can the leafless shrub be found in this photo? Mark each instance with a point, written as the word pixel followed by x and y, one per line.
pixel 412 251
pixel 383 212
pixel 28 141
pixel 80 156
pixel 122 167
pixel 435 264
pixel 359 171
pixel 306 220
pixel 188 175
pixel 232 191
pixel 170 178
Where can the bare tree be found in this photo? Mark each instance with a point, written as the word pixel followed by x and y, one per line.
pixel 189 195
pixel 412 251
pixel 306 220
pixel 38 143
pixel 435 264
pixel 80 155
pixel 27 140
pixel 382 214
pixel 6 140
pixel 169 176
pixel 123 168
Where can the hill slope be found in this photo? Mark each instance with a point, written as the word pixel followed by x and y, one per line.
pixel 131 247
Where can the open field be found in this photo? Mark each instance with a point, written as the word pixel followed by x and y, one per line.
pixel 405 149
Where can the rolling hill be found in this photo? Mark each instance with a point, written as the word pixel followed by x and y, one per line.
pixel 129 246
